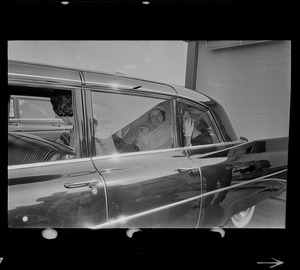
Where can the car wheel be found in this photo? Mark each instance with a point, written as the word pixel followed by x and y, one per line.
pixel 242 218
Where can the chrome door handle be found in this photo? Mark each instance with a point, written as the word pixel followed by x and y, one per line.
pixel 89 183
pixel 182 170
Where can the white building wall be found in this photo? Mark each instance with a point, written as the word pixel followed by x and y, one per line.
pixel 252 82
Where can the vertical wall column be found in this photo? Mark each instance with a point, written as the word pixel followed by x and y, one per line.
pixel 191 65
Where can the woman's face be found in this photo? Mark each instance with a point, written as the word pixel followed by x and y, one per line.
pixel 195 114
pixel 156 118
pixel 200 123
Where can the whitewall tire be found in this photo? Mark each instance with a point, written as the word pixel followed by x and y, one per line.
pixel 242 218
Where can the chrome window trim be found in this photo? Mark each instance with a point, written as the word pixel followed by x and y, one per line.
pixel 113 81
pixel 123 219
pixel 130 91
pixel 175 127
pixel 119 155
pixel 47 163
pixel 17 76
pixel 110 88
pixel 216 144
pixel 216 127
pixel 42 82
pixel 60 85
pixel 85 116
pixel 233 143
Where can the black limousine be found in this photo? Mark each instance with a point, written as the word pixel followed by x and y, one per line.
pixel 132 153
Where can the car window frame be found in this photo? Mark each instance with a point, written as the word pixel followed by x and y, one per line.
pixel 209 114
pixel 129 92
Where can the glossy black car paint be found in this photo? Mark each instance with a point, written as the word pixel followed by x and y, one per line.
pixel 38 196
pixel 237 177
pixel 151 189
pixel 200 186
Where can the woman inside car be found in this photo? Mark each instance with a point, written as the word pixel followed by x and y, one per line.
pixel 159 135
pixel 61 101
pixel 195 128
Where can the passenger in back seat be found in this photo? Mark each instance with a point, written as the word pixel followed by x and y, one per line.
pixel 195 128
pixel 159 135
pixel 61 101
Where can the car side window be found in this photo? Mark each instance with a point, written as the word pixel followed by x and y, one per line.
pixel 196 125
pixel 42 141
pixel 33 107
pixel 127 123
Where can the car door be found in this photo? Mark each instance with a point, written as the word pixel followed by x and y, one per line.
pixel 234 173
pixel 234 181
pixel 59 194
pixel 66 193
pixel 145 188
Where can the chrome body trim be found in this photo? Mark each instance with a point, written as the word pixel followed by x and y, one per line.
pixel 119 155
pixel 49 163
pixel 233 143
pixel 126 218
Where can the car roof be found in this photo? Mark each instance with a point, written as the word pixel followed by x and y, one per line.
pixel 21 70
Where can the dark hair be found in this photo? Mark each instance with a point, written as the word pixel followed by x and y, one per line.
pixel 62 103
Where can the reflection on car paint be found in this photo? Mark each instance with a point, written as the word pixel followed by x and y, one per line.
pixel 56 206
pixel 240 166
